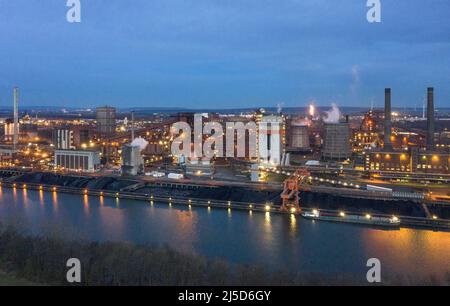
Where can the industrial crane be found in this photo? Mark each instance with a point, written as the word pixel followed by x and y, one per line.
pixel 292 186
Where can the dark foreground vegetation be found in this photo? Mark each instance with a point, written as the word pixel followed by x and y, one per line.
pixel 42 260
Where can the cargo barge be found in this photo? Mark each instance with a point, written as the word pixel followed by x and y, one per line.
pixel 393 222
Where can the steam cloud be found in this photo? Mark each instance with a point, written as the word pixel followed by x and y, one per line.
pixel 280 107
pixel 333 115
pixel 140 142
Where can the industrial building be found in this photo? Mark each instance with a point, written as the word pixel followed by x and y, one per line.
pixel 297 137
pixel 132 161
pixel 9 130
pixel 63 139
pixel 81 135
pixel 201 167
pixel 409 161
pixel 413 159
pixel 271 140
pixel 72 160
pixel 337 141
pixel 368 135
pixel 106 120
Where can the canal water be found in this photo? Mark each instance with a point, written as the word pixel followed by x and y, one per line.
pixel 278 241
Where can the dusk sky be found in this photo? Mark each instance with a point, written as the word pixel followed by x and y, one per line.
pixel 224 54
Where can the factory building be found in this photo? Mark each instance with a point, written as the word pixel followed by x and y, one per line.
pixel 411 160
pixel 6 155
pixel 199 167
pixel 429 162
pixel 9 130
pixel 132 161
pixel 83 161
pixel 63 139
pixel 408 161
pixel 337 141
pixel 271 140
pixel 368 135
pixel 106 120
pixel 297 137
pixel 81 135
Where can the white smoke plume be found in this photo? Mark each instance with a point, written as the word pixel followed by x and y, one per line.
pixel 140 142
pixel 333 115
pixel 280 107
pixel 356 79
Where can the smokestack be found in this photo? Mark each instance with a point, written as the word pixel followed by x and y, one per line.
pixel 430 118
pixel 16 118
pixel 132 125
pixel 387 119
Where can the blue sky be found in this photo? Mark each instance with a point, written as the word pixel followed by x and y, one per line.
pixel 224 53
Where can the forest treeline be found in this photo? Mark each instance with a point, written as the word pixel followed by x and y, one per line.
pixel 42 260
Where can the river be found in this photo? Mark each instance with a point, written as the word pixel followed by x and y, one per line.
pixel 279 241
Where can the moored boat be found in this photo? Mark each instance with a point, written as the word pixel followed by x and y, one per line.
pixel 351 218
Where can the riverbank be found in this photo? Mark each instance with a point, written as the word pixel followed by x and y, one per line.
pixel 7 279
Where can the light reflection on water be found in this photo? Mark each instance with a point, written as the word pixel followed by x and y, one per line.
pixel 281 241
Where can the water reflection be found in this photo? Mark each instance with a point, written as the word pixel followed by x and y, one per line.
pixel 293 226
pixel 406 247
pixel 15 194
pixel 282 241
pixel 55 200
pixel 41 198
pixel 25 196
pixel 267 229
pixel 86 204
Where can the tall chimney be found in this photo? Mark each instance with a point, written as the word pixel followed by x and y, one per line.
pixel 16 118
pixel 430 118
pixel 132 125
pixel 387 119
